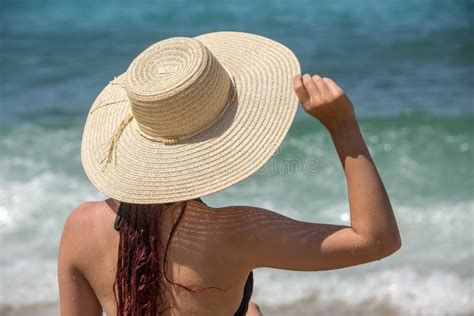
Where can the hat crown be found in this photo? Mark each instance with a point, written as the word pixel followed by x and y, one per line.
pixel 177 88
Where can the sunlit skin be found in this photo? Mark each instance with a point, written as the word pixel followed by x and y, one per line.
pixel 218 247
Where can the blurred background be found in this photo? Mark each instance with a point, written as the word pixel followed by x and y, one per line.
pixel 407 66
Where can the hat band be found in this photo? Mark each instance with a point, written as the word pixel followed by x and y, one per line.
pixel 113 140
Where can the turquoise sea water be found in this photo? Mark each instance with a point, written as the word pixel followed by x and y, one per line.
pixel 407 66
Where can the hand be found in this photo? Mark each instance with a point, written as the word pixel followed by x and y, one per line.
pixel 324 100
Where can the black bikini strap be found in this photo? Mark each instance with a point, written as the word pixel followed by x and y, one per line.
pixel 118 218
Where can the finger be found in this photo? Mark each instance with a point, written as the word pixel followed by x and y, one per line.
pixel 300 90
pixel 310 86
pixel 333 87
pixel 323 89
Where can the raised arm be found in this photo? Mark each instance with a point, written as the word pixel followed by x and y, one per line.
pixel 371 213
pixel 280 242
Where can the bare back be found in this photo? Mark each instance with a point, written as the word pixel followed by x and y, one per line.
pixel 200 257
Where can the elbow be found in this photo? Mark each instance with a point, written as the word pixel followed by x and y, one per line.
pixel 393 245
pixel 387 246
pixel 382 244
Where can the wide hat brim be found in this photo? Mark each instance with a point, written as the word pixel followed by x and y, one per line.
pixel 243 139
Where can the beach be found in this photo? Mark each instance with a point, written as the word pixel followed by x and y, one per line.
pixel 407 67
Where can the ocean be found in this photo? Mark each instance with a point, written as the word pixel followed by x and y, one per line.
pixel 407 66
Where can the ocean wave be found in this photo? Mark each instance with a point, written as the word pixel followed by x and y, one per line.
pixel 402 290
pixel 40 184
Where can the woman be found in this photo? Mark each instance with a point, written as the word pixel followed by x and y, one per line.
pixel 188 118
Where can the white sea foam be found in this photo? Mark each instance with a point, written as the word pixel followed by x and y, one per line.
pixel 405 290
pixel 32 214
pixel 428 281
pixel 39 187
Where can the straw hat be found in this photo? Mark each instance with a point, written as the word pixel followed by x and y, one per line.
pixel 190 117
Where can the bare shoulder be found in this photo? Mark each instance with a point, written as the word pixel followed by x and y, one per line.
pixel 236 218
pixel 76 295
pixel 81 232
pixel 82 218
pixel 248 218
pixel 269 239
pixel 244 224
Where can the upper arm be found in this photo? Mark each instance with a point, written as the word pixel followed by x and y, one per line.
pixel 76 295
pixel 276 241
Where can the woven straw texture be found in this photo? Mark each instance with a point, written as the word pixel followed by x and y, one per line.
pixel 190 117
